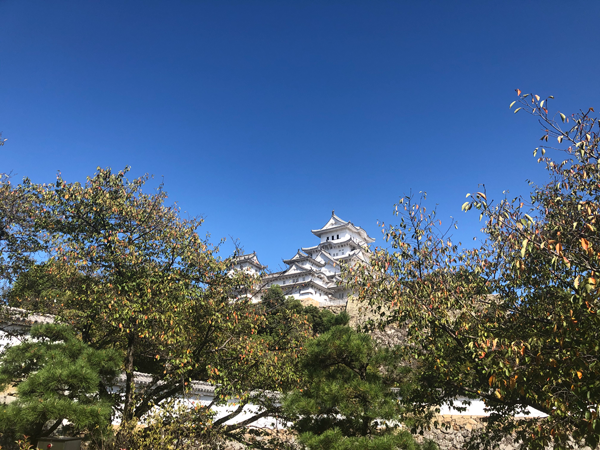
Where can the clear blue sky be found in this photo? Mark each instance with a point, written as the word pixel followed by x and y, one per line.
pixel 263 116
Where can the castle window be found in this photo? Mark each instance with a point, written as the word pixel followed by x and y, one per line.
pixel 338 236
pixel 327 237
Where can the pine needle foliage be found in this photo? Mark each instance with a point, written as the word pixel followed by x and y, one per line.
pixel 348 401
pixel 57 378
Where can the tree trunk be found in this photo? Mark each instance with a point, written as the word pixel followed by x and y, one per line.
pixel 365 426
pixel 129 406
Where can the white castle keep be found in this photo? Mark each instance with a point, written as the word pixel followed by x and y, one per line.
pixel 313 273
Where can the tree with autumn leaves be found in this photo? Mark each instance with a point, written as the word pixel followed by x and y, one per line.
pixel 18 241
pixel 128 273
pixel 513 321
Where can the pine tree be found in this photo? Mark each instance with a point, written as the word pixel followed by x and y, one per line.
pixel 348 401
pixel 56 378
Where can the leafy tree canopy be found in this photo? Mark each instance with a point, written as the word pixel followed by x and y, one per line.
pixel 513 321
pixel 130 274
pixel 279 309
pixel 18 239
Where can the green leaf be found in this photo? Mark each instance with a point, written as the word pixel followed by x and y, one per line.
pixel 524 248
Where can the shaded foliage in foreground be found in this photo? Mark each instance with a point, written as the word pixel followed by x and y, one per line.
pixel 347 401
pixel 57 377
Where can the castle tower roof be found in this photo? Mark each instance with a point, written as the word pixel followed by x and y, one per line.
pixel 251 259
pixel 336 224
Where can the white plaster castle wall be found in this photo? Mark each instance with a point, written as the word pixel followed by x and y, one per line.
pixel 477 408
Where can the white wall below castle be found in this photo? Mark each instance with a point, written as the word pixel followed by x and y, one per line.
pixel 478 408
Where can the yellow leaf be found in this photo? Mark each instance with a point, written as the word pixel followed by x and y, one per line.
pixel 579 374
pixel 585 244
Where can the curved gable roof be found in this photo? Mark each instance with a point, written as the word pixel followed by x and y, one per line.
pixel 296 268
pixel 249 258
pixel 335 223
pixel 302 257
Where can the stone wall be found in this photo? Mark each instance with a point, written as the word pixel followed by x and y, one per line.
pixel 336 309
pixel 361 313
pixel 453 431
